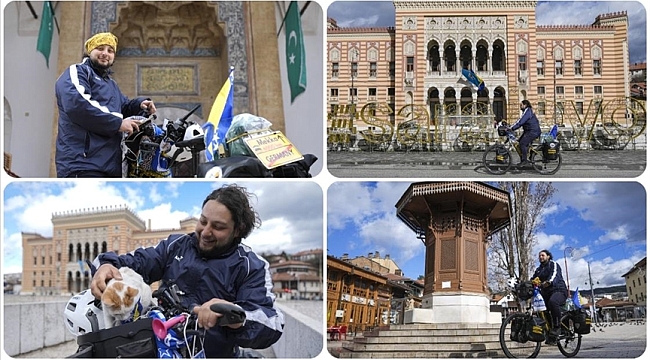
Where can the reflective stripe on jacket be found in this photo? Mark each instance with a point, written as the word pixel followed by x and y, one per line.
pixel 239 276
pixel 91 108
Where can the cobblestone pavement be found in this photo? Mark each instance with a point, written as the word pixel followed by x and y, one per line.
pixel 451 164
pixel 618 340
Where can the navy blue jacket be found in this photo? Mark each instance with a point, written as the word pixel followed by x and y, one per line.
pixel 91 109
pixel 239 276
pixel 551 272
pixel 529 122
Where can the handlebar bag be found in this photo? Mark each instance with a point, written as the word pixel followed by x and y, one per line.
pixel 130 340
pixel 525 290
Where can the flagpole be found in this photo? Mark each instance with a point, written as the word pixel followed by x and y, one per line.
pixel 56 22
pixel 284 18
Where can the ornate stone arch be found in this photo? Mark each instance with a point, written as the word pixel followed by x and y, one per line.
pixel 390 53
pixel 596 52
pixel 373 54
pixel 409 48
pixel 541 52
pixel 522 47
pixel 558 53
pixel 335 54
pixel 229 16
pixel 576 52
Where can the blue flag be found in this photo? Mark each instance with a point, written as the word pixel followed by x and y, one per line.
pixel 576 299
pixel 474 79
pixel 220 118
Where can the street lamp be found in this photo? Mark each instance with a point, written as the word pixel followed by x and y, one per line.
pixel 571 252
pixel 353 60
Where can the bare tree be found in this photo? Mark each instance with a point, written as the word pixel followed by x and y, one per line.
pixel 510 250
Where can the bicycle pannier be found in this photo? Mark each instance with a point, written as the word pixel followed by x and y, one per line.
pixel 502 155
pixel 130 340
pixel 581 322
pixel 518 330
pixel 535 329
pixel 550 150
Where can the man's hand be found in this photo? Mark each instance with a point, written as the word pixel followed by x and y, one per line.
pixel 208 318
pixel 129 125
pixel 149 106
pixel 546 284
pixel 102 276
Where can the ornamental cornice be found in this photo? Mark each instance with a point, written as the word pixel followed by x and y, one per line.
pixel 462 5
pixel 565 34
pixel 79 217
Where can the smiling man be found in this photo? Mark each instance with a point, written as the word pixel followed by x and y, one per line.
pixel 94 115
pixel 209 266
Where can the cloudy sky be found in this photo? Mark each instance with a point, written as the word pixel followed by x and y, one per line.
pixel 603 221
pixel 291 213
pixel 382 13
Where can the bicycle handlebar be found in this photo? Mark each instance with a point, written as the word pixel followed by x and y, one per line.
pixel 231 313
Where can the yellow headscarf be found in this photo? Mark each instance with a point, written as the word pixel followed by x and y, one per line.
pixel 101 39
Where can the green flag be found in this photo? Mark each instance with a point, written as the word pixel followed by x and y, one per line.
pixel 295 47
pixel 44 43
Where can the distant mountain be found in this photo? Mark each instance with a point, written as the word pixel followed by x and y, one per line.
pixel 603 290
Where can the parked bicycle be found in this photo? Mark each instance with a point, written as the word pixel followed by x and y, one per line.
pixel 522 333
pixel 544 157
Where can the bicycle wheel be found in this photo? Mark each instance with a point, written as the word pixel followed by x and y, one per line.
pixel 568 342
pixel 494 165
pixel 513 339
pixel 546 167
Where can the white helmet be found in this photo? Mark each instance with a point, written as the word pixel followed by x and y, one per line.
pixel 512 283
pixel 82 315
pixel 183 154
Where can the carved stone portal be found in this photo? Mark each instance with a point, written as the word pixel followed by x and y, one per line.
pixel 171 28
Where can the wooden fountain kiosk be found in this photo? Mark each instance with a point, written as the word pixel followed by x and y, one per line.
pixel 455 221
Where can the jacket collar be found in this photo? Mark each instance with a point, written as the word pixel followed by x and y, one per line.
pixel 103 73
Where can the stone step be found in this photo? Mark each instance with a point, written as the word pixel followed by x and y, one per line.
pixel 428 338
pixel 426 341
pixel 420 347
pixel 422 354
pixel 415 332
pixel 446 326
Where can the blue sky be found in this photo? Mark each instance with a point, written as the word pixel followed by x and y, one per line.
pixel 382 13
pixel 291 212
pixel 603 221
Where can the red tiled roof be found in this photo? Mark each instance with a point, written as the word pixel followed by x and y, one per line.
pixel 638 66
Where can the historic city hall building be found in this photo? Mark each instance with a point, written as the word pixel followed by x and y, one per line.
pixel 413 71
pixel 56 265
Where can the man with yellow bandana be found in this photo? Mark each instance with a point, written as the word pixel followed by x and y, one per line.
pixel 94 115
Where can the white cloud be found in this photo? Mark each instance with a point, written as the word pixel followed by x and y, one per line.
pixel 369 21
pixel 546 241
pixel 163 217
pixel 12 254
pixel 391 237
pixel 273 235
